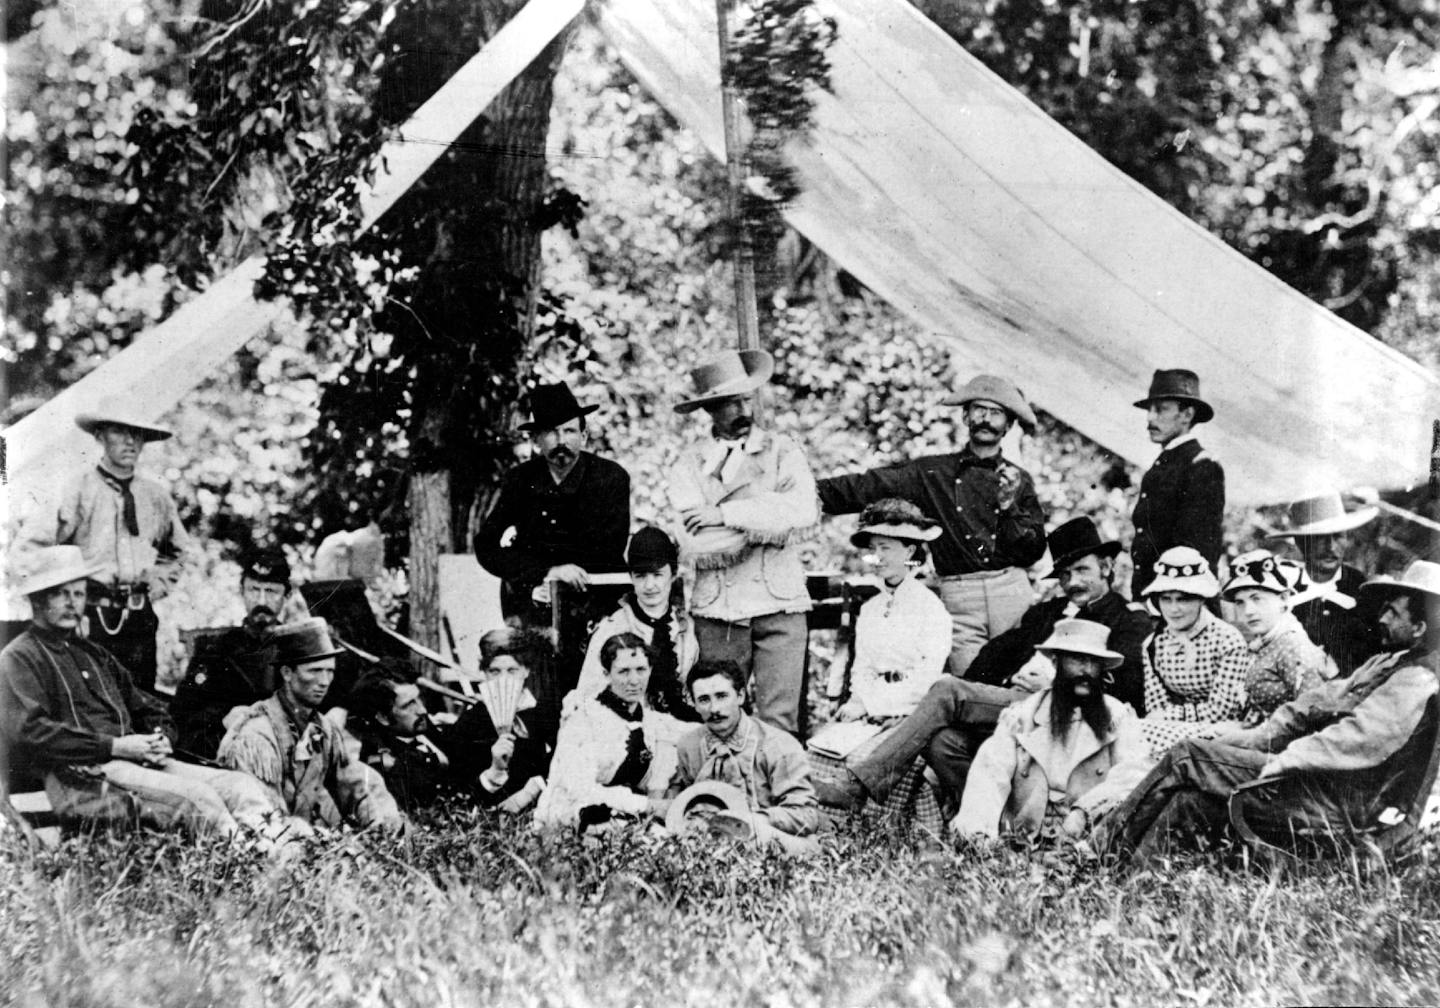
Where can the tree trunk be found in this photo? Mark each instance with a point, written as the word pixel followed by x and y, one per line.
pixel 428 499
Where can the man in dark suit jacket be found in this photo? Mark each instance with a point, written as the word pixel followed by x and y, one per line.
pixel 956 715
pixel 1182 495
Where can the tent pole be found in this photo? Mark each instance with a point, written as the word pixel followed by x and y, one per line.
pixel 743 255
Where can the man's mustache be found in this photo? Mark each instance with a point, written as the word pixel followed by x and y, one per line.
pixel 987 427
pixel 261 617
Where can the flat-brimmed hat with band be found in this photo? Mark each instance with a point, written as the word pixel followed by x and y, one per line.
pixel 115 412
pixel 1085 637
pixel 896 518
pixel 1183 569
pixel 1323 515
pixel 303 641
pixel 53 566
pixel 727 374
pixel 1259 569
pixel 1181 385
pixel 729 812
pixel 1077 538
pixel 992 388
pixel 1422 576
pixel 553 405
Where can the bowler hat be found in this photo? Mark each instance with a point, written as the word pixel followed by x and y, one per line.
pixel 1322 515
pixel 1076 538
pixel 1421 576
pixel 1000 391
pixel 1086 637
pixel 303 641
pixel 896 518
pixel 727 374
pixel 553 405
pixel 1181 385
pixel 650 549
pixel 1259 569
pixel 115 412
pixel 726 799
pixel 53 566
pixel 266 564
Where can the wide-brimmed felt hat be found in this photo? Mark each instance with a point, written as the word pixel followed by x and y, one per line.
pixel 1421 576
pixel 53 566
pixel 303 641
pixel 1260 569
pixel 729 373
pixel 726 799
pixel 116 412
pixel 1080 636
pixel 896 518
pixel 1076 538
pixel 1001 392
pixel 267 564
pixel 553 405
pixel 1322 515
pixel 650 549
pixel 1181 385
pixel 1183 569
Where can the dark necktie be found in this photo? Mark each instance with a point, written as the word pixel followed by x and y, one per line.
pixel 132 521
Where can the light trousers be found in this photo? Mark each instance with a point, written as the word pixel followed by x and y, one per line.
pixel 198 799
pixel 982 606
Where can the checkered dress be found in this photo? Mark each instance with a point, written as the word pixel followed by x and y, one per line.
pixel 1192 680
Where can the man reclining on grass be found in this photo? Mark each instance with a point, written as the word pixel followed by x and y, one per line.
pixel 1344 756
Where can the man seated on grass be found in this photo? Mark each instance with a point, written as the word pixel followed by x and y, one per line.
pixel 299 755
pixel 1061 756
pixel 1343 756
pixel 71 714
pixel 764 763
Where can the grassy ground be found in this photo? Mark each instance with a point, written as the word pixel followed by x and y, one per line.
pixel 472 912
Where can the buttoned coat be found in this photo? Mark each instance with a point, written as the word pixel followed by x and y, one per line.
pixel 1181 503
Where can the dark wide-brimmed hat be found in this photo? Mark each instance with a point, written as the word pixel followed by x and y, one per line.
pixel 53 566
pixel 896 518
pixel 115 412
pixel 650 549
pixel 1076 538
pixel 727 374
pixel 266 563
pixel 1181 385
pixel 303 641
pixel 1322 515
pixel 1001 392
pixel 553 405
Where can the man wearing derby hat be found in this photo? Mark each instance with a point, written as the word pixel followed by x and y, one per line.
pixel 1320 526
pixel 71 715
pixel 299 755
pixel 233 669
pixel 127 526
pixel 746 499
pixel 956 715
pixel 992 527
pixel 1062 756
pixel 1182 494
pixel 1339 759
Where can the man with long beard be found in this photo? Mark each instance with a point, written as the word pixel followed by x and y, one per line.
pixel 1042 770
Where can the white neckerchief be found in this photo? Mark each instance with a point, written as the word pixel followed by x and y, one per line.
pixel 1177 442
pixel 733 454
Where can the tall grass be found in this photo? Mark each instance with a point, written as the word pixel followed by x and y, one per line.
pixel 471 911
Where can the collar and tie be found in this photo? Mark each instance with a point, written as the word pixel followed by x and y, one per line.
pixel 127 498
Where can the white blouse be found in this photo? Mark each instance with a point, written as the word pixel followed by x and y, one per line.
pixel 902 641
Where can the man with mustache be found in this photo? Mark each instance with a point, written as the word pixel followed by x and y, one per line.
pixel 233 669
pixel 561 516
pixel 1041 772
pixel 1182 495
pixel 747 500
pixel 992 527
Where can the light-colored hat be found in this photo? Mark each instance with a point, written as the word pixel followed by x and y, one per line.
pixel 1183 569
pixel 1000 391
pixel 1323 515
pixel 727 374
pixel 53 566
pixel 896 518
pixel 1260 569
pixel 725 799
pixel 1421 576
pixel 1086 637
pixel 115 411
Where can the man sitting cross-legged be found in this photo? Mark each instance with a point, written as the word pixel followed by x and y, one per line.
pixel 956 715
pixel 1341 754
pixel 71 714
pixel 764 763
pixel 299 755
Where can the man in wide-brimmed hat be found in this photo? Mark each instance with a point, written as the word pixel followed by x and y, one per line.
pixel 71 716
pixel 1182 494
pixel 128 527
pixel 285 743
pixel 746 499
pixel 1341 759
pixel 992 527
pixel 1327 609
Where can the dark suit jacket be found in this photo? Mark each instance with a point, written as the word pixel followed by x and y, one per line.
pixel 1003 656
pixel 1347 635
pixel 1182 503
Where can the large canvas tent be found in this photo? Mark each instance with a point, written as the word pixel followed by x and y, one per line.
pixel 956 199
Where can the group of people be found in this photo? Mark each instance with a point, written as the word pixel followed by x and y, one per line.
pixel 1127 725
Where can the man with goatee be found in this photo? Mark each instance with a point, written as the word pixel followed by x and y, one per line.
pixel 1061 757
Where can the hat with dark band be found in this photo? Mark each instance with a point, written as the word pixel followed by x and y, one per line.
pixel 726 375
pixel 303 641
pixel 1182 386
pixel 1259 569
pixel 1085 637
pixel 553 405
